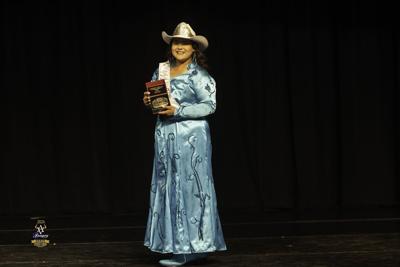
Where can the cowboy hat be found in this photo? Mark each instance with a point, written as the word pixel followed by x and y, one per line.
pixel 184 31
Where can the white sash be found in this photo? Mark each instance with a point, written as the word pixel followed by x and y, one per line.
pixel 164 73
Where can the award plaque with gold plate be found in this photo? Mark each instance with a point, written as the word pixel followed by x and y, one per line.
pixel 159 97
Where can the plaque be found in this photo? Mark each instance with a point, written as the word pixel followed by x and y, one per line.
pixel 159 97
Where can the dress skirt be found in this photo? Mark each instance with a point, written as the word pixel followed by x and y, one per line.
pixel 183 216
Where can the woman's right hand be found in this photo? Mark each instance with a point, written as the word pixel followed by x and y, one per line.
pixel 146 99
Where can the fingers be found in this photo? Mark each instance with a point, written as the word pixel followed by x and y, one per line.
pixel 146 98
pixel 168 111
pixel 165 111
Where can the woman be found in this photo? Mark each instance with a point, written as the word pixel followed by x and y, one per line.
pixel 183 217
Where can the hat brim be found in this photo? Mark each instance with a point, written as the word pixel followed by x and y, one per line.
pixel 199 39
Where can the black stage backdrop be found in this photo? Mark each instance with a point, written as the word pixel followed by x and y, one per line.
pixel 307 116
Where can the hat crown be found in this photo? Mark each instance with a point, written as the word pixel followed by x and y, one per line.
pixel 184 29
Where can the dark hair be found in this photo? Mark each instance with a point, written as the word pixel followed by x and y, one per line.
pixel 199 57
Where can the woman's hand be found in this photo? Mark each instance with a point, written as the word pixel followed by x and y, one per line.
pixel 146 99
pixel 168 111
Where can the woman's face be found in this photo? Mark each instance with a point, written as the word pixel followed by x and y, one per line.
pixel 182 50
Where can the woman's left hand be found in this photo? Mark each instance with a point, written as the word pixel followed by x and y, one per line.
pixel 168 111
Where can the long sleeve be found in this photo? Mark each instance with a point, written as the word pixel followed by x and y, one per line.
pixel 204 87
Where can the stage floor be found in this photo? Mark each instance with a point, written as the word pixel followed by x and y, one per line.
pixel 335 250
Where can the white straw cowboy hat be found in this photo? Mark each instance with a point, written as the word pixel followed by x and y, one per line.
pixel 184 31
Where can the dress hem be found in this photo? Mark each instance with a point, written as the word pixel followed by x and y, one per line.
pixel 184 252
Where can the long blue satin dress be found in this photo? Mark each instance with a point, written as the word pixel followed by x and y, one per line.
pixel 183 216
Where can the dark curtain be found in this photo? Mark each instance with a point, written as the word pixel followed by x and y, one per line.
pixel 307 115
